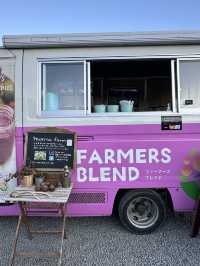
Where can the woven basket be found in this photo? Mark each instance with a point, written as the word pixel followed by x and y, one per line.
pixel 27 180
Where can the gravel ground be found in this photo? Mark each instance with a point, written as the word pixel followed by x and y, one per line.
pixel 103 241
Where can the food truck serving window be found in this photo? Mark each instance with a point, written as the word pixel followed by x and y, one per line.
pixel 131 86
pixel 62 89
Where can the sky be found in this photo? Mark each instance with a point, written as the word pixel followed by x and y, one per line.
pixel 77 16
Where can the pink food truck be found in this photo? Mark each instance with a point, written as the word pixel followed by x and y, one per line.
pixel 133 100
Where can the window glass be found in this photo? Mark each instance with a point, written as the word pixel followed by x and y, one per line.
pixel 190 84
pixel 63 87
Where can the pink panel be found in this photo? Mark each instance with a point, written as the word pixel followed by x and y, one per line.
pixel 11 210
pixel 158 156
pixel 181 202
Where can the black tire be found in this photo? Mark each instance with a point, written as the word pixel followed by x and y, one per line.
pixel 135 205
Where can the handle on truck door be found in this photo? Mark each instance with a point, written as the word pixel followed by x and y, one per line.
pixel 85 138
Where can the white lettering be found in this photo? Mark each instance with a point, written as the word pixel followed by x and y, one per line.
pixel 109 156
pixel 133 173
pixel 95 157
pixel 140 156
pixel 81 154
pixel 117 174
pixel 153 156
pixel 166 153
pixel 125 155
pixel 92 178
pixel 105 174
pixel 81 174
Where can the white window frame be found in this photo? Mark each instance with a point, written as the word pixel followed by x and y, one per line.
pixel 59 113
pixel 173 86
pixel 89 104
pixel 186 110
pixel 87 112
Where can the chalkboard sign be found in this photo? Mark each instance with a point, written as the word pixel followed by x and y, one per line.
pixel 50 148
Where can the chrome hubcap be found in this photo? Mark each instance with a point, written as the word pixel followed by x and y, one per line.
pixel 142 212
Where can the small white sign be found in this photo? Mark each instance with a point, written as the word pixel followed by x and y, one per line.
pixel 69 142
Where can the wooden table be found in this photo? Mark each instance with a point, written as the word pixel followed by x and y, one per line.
pixel 28 199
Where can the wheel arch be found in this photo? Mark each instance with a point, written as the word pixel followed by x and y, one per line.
pixel 163 192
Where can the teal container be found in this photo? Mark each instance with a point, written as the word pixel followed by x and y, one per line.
pixel 126 106
pixel 39 180
pixel 99 108
pixel 52 102
pixel 112 108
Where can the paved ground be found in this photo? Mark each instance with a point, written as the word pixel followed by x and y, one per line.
pixel 102 241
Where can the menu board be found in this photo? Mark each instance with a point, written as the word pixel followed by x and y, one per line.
pixel 50 149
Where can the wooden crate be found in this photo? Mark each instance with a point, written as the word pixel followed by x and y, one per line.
pixel 54 177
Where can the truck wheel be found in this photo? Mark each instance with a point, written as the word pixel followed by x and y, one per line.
pixel 141 211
